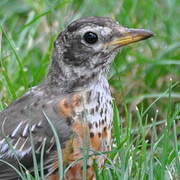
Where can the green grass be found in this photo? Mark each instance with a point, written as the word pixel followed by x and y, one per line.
pixel 144 77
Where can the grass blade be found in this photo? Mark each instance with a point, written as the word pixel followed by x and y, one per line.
pixel 58 146
pixel 17 58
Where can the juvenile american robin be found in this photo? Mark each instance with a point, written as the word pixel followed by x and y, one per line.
pixel 75 97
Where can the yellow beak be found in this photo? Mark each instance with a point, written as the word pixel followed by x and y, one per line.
pixel 130 36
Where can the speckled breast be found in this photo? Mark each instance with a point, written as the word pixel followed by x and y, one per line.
pixel 92 116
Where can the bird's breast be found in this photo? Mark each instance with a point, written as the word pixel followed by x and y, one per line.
pixel 90 116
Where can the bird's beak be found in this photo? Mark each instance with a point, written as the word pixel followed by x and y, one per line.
pixel 127 36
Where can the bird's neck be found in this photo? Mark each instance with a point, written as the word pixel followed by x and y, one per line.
pixel 68 79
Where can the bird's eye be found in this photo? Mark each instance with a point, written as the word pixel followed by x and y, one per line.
pixel 90 37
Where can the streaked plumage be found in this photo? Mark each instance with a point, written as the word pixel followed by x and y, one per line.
pixel 76 98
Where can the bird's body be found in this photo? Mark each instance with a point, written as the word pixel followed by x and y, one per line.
pixel 75 97
pixel 88 113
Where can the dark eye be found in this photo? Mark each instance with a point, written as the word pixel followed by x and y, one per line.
pixel 90 37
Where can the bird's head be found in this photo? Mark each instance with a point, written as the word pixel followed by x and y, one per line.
pixel 88 45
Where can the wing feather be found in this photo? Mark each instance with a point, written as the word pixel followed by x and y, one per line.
pixel 25 117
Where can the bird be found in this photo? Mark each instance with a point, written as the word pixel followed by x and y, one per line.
pixel 74 99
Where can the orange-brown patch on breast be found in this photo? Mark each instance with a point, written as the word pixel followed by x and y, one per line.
pixel 78 140
pixel 65 108
pixel 76 100
pixel 68 152
pixel 74 150
pixel 82 131
pixel 53 177
pixel 75 173
pixel 96 142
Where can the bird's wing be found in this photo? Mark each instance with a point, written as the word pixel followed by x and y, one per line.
pixel 24 125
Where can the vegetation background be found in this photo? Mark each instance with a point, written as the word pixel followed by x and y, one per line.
pixel 145 77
